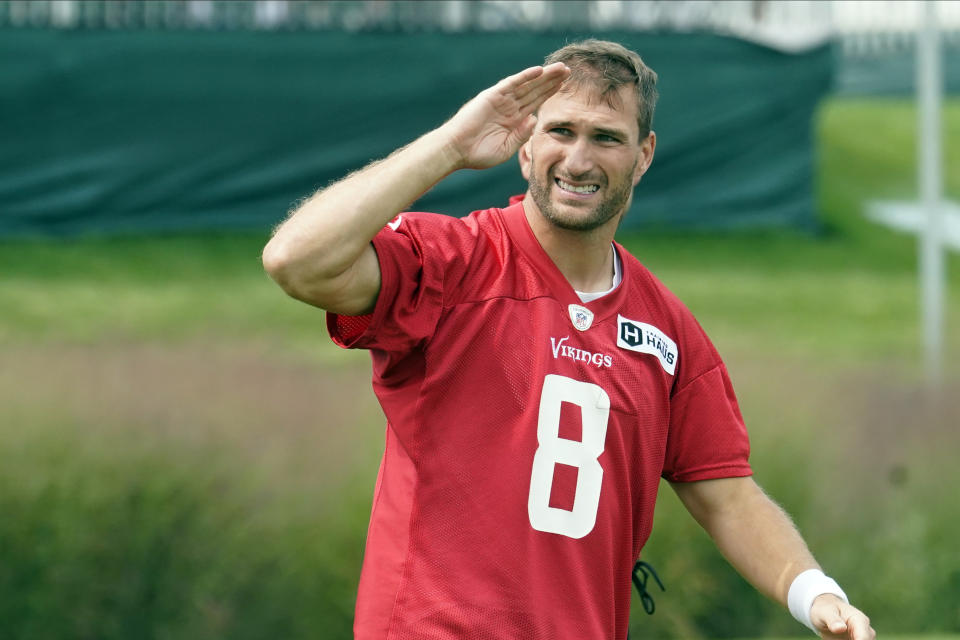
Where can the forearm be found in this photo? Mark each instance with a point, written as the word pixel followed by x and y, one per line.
pixel 755 535
pixel 764 546
pixel 322 253
pixel 326 235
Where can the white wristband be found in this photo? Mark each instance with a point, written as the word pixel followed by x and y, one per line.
pixel 805 589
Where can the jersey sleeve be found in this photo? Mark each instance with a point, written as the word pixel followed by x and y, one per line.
pixel 410 298
pixel 707 438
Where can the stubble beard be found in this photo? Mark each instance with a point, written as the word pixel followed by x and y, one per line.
pixel 613 203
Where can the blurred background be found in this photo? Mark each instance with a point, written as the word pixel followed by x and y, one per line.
pixel 183 454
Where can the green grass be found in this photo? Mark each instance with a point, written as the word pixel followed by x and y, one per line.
pixel 166 289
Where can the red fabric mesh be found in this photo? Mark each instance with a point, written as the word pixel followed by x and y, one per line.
pixel 477 319
pixel 564 486
pixel 352 327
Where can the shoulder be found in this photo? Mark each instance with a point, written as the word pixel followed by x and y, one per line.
pixel 650 298
pixel 440 229
pixel 444 247
pixel 649 291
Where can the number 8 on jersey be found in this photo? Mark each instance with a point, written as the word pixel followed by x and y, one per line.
pixel 594 406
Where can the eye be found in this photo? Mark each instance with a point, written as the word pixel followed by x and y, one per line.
pixel 561 131
pixel 603 137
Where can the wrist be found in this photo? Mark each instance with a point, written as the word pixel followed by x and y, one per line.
pixel 449 148
pixel 806 587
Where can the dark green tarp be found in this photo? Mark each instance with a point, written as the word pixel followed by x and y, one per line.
pixel 140 130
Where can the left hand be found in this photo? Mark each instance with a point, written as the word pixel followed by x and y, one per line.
pixel 835 619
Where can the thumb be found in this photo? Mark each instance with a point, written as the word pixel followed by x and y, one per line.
pixel 836 626
pixel 525 130
pixel 830 621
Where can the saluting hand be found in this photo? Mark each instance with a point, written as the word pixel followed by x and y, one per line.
pixel 835 619
pixel 489 129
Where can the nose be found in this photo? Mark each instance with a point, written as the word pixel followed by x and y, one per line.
pixel 578 161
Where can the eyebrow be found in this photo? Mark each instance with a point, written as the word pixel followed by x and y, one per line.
pixel 616 133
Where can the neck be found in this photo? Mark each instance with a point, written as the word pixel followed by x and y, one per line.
pixel 583 257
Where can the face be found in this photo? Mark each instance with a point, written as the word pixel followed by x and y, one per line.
pixel 584 159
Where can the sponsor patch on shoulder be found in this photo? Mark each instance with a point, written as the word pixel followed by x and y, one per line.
pixel 646 338
pixel 395 223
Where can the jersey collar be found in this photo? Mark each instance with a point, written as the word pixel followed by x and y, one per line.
pixel 520 232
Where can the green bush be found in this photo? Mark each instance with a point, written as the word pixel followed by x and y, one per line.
pixel 110 536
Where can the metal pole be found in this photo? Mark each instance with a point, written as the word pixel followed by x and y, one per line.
pixel 930 166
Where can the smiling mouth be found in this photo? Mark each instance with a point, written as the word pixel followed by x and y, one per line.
pixel 586 189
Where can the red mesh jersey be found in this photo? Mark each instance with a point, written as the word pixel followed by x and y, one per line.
pixel 523 454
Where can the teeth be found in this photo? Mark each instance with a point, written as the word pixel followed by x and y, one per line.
pixel 566 186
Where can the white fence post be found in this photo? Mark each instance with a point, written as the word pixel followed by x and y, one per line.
pixel 930 179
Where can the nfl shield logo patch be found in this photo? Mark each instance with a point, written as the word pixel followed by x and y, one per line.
pixel 581 317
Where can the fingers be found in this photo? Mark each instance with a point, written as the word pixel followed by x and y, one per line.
pixel 526 129
pixel 551 74
pixel 510 83
pixel 532 80
pixel 825 614
pixel 844 621
pixel 537 96
pixel 837 627
pixel 858 626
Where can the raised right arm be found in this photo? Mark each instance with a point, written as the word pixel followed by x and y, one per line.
pixel 322 253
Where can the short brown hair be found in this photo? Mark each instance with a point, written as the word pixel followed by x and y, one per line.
pixel 607 66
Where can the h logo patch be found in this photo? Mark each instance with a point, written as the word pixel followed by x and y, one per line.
pixel 630 334
pixel 646 338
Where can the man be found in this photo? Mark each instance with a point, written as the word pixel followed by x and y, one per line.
pixel 537 380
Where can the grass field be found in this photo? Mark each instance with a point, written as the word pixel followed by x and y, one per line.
pixel 189 457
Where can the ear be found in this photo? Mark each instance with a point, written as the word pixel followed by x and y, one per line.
pixel 647 147
pixel 524 156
